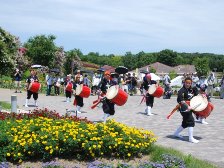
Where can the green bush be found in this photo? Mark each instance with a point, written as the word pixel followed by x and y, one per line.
pixel 40 136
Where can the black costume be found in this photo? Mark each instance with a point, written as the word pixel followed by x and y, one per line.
pixel 146 84
pixel 30 79
pixel 185 94
pixel 108 106
pixel 78 99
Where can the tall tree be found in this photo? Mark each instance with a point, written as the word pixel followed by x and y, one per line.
pixel 59 59
pixel 73 61
pixel 201 65
pixel 167 57
pixel 8 49
pixel 41 50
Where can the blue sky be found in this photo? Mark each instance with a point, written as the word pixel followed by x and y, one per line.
pixel 120 26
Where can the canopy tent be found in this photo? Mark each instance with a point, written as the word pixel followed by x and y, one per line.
pixel 36 66
pixel 141 76
pixel 177 81
pixel 155 77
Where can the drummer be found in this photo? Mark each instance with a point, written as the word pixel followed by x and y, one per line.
pixel 68 88
pixel 108 106
pixel 202 91
pixel 32 78
pixel 149 99
pixel 186 93
pixel 78 101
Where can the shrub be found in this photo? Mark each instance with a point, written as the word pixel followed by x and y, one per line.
pixel 44 135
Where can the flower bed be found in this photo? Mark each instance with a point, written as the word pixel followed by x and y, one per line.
pixel 45 135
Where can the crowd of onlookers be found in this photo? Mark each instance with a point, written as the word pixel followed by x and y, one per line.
pixel 130 83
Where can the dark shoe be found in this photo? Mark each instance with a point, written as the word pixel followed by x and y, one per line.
pixel 15 92
pixel 20 92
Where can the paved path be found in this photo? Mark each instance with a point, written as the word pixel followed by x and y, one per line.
pixel 211 136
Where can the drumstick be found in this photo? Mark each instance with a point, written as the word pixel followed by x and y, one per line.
pixel 173 111
pixel 142 99
pixel 98 102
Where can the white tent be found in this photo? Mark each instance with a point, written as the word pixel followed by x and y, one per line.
pixel 36 66
pixel 177 81
pixel 141 76
pixel 155 77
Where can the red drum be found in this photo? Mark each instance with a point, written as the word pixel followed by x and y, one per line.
pixel 34 87
pixel 83 91
pixel 156 91
pixel 117 95
pixel 204 107
pixel 199 103
pixel 69 87
pixel 206 112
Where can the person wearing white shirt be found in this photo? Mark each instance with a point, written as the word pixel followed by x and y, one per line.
pixel 49 81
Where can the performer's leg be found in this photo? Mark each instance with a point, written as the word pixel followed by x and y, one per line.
pixel 26 104
pixel 149 104
pixel 177 132
pixel 191 138
pixel 202 120
pixel 78 108
pixel 106 115
pixel 29 93
pixel 80 104
pixel 35 97
pixel 149 113
pixel 67 95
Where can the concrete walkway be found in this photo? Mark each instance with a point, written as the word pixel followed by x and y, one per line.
pixel 211 136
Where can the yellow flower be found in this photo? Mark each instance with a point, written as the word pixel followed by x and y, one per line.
pixel 19 154
pixel 46 147
pixel 8 154
pixel 129 154
pixel 51 151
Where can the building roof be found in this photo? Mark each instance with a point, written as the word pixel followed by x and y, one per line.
pixel 108 68
pixel 159 67
pixel 165 69
pixel 181 69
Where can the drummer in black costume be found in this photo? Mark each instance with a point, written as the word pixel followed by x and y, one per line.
pixel 78 101
pixel 149 99
pixel 32 78
pixel 108 106
pixel 186 93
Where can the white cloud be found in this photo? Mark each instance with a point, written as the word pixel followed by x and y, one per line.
pixel 120 25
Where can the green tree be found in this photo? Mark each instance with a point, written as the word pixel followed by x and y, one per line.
pixel 116 61
pixel 8 49
pixel 73 61
pixel 202 66
pixel 172 74
pixel 41 50
pixel 129 61
pixel 167 57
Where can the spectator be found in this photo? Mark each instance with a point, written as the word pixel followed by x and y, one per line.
pixel 57 84
pixel 86 81
pixel 195 79
pixel 49 81
pixel 18 77
pixel 211 82
pixel 222 88
pixel 96 81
